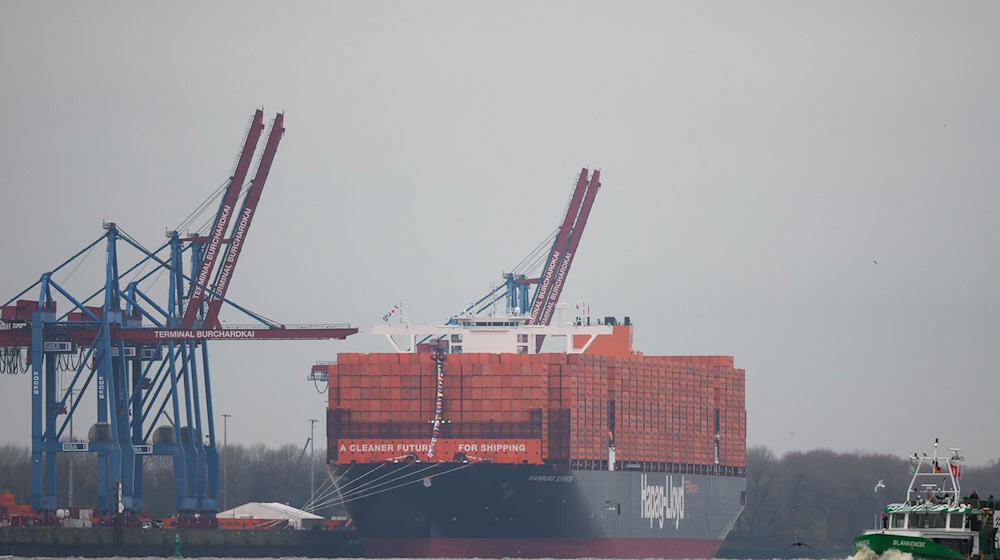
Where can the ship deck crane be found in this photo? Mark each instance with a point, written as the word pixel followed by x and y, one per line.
pixel 139 356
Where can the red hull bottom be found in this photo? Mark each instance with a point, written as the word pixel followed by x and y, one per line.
pixel 540 548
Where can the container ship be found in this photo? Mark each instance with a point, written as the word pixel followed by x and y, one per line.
pixel 467 441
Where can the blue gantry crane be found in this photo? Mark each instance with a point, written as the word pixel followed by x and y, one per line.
pixel 139 355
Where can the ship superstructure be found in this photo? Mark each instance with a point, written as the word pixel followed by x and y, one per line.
pixel 491 334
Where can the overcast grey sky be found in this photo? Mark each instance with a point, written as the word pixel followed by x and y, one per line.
pixel 756 158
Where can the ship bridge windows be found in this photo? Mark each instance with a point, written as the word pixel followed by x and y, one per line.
pixel 956 521
pixel 489 324
pixel 897 520
pixel 927 520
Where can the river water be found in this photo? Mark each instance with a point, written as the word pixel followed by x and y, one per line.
pixel 887 556
pixel 890 555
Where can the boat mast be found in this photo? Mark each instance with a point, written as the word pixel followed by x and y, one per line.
pixel 941 476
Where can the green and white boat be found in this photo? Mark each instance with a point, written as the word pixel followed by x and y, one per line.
pixel 936 521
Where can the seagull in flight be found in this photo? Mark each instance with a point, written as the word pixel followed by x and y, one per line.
pixel 880 484
pixel 798 543
pixel 874 261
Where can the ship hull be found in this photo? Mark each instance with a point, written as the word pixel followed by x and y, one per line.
pixel 540 548
pixel 921 548
pixel 495 510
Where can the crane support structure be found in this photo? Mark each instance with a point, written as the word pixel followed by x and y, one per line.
pixel 22 336
pixel 147 371
pixel 222 217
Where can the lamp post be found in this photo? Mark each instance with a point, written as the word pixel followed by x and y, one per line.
pixel 225 461
pixel 312 470
pixel 71 457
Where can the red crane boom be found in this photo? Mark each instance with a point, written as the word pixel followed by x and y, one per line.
pixel 243 225
pixel 218 231
pixel 555 256
pixel 571 245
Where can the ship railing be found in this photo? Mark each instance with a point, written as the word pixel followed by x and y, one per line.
pixel 240 326
pixel 652 466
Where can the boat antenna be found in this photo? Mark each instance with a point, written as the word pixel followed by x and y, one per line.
pixel 403 319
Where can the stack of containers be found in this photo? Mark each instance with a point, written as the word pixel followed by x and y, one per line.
pixel 665 407
pixel 586 399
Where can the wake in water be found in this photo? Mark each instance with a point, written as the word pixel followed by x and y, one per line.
pixel 869 554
